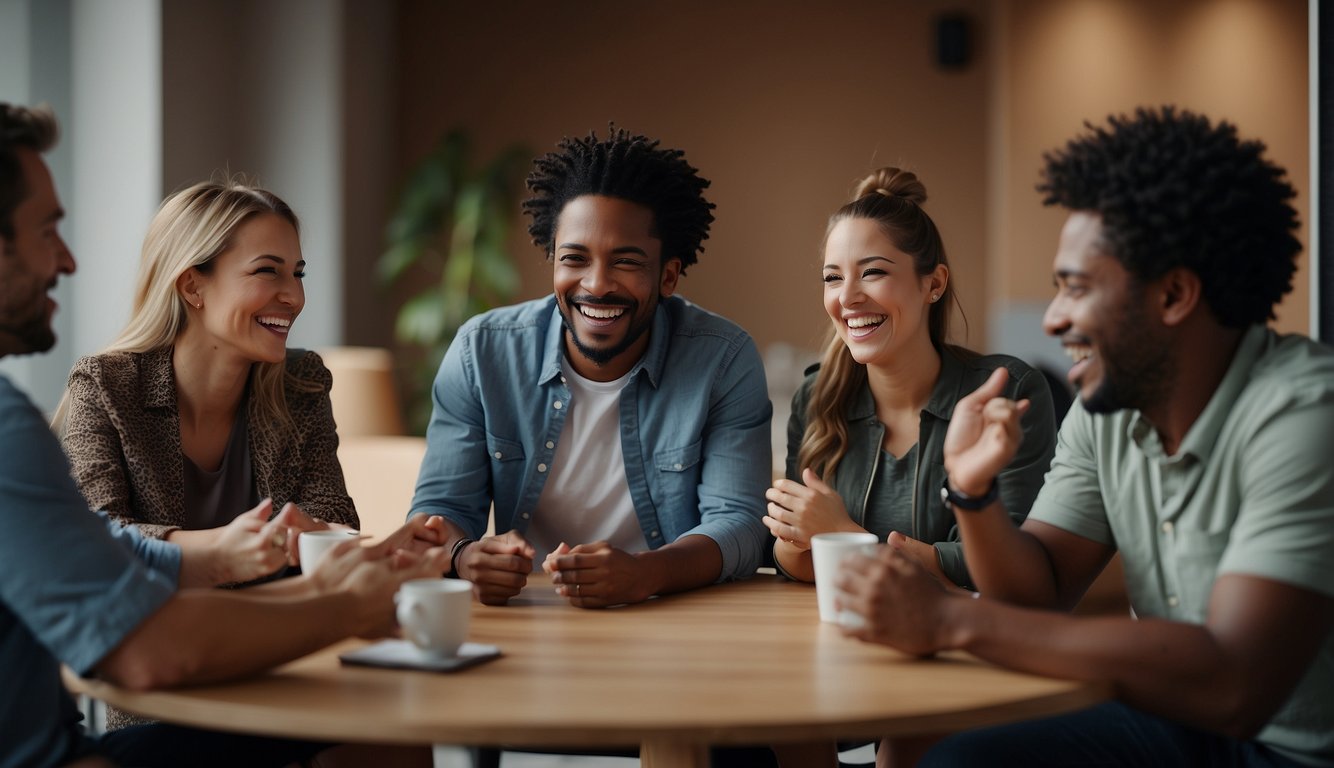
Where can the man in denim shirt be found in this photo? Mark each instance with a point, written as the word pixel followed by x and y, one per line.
pixel 621 433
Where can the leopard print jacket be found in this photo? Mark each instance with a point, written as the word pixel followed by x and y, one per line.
pixel 123 438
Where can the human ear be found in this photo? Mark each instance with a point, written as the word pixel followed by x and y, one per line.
pixel 671 273
pixel 188 285
pixel 936 282
pixel 1179 293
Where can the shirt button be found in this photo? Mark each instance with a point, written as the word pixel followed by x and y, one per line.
pixel 550 444
pixel 496 454
pixel 556 405
pixel 1172 600
pixel 653 535
pixel 524 515
pixel 541 467
pixel 562 379
pixel 676 466
pixel 1167 527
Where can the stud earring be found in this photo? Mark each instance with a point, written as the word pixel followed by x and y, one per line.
pixel 935 297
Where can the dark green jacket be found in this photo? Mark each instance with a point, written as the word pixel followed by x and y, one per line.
pixel 960 374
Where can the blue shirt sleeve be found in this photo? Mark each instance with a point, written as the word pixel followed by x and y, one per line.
pixel 79 583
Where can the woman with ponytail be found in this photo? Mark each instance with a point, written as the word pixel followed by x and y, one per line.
pixel 868 424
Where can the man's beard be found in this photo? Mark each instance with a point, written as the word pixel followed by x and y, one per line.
pixel 1137 366
pixel 604 355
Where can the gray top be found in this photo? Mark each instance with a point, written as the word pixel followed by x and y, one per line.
pixel 891 493
pixel 74 586
pixel 214 499
pixel 1250 491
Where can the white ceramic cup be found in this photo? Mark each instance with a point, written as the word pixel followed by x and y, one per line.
pixel 434 614
pixel 311 545
pixel 827 551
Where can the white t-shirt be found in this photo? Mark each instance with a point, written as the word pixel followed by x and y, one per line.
pixel 586 497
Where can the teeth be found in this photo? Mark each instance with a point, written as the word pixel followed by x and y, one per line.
pixel 601 313
pixel 1079 354
pixel 865 320
pixel 279 321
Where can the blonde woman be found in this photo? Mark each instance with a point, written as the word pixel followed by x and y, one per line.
pixel 868 424
pixel 198 411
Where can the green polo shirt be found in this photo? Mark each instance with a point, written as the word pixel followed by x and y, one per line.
pixel 1250 491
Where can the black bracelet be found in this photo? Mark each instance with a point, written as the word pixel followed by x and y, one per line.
pixel 455 552
pixel 955 500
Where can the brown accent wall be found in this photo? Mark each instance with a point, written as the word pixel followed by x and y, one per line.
pixel 783 105
pixel 1064 61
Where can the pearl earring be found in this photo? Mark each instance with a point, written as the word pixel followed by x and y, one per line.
pixel 935 297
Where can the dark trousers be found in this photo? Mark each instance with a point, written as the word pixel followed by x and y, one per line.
pixel 159 745
pixel 1111 734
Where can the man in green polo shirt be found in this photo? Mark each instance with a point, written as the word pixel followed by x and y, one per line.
pixel 1200 450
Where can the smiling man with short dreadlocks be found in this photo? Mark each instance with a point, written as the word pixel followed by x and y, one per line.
pixel 620 433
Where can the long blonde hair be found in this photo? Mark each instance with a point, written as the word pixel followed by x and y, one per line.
pixel 191 229
pixel 892 198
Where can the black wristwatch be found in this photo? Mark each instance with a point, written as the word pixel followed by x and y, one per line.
pixel 956 500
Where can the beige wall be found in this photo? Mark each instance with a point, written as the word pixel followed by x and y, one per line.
pixel 783 105
pixel 1064 61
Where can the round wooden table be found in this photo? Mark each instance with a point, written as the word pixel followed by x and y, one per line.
pixel 740 663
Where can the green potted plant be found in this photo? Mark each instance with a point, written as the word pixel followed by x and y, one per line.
pixel 450 235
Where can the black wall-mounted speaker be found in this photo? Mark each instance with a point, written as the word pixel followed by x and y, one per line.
pixel 953 41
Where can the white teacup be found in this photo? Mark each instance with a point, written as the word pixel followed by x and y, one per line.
pixel 312 545
pixel 827 551
pixel 434 614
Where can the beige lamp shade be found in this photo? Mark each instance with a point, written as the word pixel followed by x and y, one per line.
pixel 364 397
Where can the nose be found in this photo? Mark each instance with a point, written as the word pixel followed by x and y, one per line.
pixel 293 294
pixel 1055 320
pixel 850 295
pixel 596 280
pixel 65 263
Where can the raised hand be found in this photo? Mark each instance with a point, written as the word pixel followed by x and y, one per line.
pixel 984 436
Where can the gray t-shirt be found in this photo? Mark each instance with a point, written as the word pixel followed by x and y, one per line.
pixel 890 506
pixel 73 586
pixel 1250 491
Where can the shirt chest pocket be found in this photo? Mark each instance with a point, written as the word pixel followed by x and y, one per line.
pixel 503 451
pixel 677 477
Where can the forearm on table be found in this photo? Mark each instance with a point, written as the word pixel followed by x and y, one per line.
pixel 205 635
pixel 689 562
pixel 1172 669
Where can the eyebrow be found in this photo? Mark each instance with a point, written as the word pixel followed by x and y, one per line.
pixel 616 250
pixel 56 215
pixel 275 259
pixel 866 260
pixel 1066 274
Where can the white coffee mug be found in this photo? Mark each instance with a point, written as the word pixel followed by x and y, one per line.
pixel 827 551
pixel 434 614
pixel 312 545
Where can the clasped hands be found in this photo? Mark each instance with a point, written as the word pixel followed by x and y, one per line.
pixel 594 575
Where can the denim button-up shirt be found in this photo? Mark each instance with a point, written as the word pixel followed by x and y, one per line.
pixel 695 434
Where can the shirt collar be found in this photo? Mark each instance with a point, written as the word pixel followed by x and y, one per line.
pixel 944 394
pixel 652 363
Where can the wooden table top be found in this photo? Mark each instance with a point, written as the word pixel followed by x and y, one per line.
pixel 745 662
